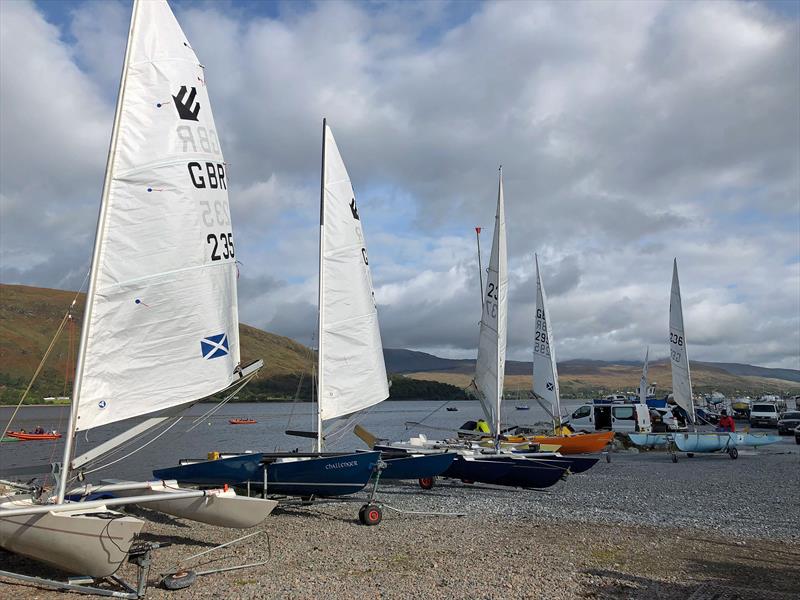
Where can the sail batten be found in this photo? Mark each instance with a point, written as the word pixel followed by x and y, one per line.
pixel 545 370
pixel 162 303
pixel 490 365
pixel 352 373
pixel 679 358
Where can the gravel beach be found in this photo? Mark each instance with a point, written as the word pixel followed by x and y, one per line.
pixel 637 527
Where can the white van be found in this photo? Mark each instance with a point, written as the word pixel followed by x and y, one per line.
pixel 629 417
pixel 763 414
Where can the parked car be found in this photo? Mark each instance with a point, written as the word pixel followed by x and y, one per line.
pixel 616 417
pixel 788 422
pixel 763 415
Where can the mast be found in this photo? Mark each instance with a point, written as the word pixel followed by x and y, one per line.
pixel 500 369
pixel 98 238
pixel 643 382
pixel 480 268
pixel 321 305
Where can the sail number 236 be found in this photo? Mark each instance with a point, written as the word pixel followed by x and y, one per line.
pixel 222 245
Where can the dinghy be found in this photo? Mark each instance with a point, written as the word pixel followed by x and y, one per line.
pixel 350 365
pixel 160 328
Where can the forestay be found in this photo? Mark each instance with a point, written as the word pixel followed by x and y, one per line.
pixel 545 371
pixel 490 367
pixel 353 374
pixel 681 378
pixel 643 380
pixel 161 324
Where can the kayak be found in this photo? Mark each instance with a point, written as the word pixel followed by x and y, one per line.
pixel 33 436
pixel 242 421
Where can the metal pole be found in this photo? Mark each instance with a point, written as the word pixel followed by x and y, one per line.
pixel 480 268
pixel 321 307
pixel 98 238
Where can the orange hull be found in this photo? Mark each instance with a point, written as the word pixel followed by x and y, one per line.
pixel 33 436
pixel 578 443
pixel 242 421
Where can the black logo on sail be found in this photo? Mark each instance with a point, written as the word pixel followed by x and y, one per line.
pixel 354 209
pixel 184 104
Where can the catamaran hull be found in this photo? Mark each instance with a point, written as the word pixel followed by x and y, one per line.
pixel 650 440
pixel 505 471
pixel 313 476
pixel 222 508
pixel 703 442
pixel 91 542
pixel 417 467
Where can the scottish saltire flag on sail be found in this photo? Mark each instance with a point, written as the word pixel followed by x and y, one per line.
pixel 352 371
pixel 163 272
pixel 491 363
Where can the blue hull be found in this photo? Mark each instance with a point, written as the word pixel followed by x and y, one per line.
pixel 703 442
pixel 316 476
pixel 417 467
pixel 499 470
pixel 647 440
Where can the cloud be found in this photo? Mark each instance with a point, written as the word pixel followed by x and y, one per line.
pixel 629 133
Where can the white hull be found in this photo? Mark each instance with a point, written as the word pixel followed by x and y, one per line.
pixel 91 542
pixel 223 508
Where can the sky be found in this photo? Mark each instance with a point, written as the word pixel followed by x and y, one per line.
pixel 630 133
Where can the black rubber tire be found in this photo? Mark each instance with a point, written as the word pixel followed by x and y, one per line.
pixel 733 453
pixel 608 457
pixel 690 454
pixel 179 580
pixel 370 514
pixel 427 483
pixel 674 458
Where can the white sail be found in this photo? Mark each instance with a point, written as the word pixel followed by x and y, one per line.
pixel 643 380
pixel 681 378
pixel 545 371
pixel 490 366
pixel 161 322
pixel 352 374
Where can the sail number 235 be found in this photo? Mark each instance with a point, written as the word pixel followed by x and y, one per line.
pixel 221 245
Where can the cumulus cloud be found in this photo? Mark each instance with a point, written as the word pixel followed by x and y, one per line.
pixel 629 133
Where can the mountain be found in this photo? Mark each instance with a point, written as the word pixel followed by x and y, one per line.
pixel 30 316
pixel 584 377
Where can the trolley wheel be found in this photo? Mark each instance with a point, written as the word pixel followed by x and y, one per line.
pixel 690 454
pixel 179 580
pixel 608 457
pixel 674 458
pixel 370 514
pixel 733 453
pixel 427 483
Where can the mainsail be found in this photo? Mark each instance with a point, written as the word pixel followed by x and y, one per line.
pixel 490 367
pixel 545 371
pixel 681 378
pixel 352 373
pixel 161 323
pixel 643 380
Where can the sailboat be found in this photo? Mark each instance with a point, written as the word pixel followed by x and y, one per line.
pixel 160 328
pixel 351 374
pixel 501 463
pixel 546 388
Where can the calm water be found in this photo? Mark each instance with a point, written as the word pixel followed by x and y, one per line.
pixel 387 420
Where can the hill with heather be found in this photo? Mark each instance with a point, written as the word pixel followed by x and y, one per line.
pixel 30 316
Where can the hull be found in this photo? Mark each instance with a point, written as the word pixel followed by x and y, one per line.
pixel 508 471
pixel 286 475
pixel 579 443
pixel 755 439
pixel 33 436
pixel 417 467
pixel 703 442
pixel 222 508
pixel 650 440
pixel 575 464
pixel 82 542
